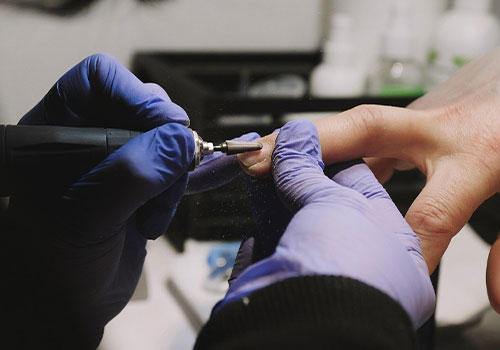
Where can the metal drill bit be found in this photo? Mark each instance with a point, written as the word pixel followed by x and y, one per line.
pixel 204 148
pixel 235 147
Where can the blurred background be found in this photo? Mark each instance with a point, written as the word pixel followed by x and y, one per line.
pixel 37 46
pixel 239 66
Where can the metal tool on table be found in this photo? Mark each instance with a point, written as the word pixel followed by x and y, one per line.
pixel 34 157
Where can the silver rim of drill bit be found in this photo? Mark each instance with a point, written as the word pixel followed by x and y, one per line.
pixel 201 149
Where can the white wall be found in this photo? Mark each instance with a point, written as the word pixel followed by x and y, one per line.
pixel 35 49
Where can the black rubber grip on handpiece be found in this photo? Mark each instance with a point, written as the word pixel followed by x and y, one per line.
pixel 42 158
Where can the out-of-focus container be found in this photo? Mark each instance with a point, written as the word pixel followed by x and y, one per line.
pixel 463 33
pixel 339 74
pixel 397 72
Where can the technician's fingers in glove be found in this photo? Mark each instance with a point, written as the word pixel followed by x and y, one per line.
pixel 101 92
pixel 151 167
pixel 361 179
pixel 297 171
pixel 348 226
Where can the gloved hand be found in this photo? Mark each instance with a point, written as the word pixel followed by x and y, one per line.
pixel 341 224
pixel 83 251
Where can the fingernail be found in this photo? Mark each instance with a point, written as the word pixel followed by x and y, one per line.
pixel 252 159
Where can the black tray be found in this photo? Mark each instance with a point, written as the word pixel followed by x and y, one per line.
pixel 208 85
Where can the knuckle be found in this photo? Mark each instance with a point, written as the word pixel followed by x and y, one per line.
pixel 480 141
pixel 450 114
pixel 102 68
pixel 165 154
pixel 488 144
pixel 102 59
pixel 158 91
pixel 430 220
pixel 180 139
pixel 368 119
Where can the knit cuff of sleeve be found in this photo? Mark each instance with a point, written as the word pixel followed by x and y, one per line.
pixel 311 312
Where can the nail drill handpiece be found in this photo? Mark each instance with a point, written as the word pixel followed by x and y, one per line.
pixel 41 156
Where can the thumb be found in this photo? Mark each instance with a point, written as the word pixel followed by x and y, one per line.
pixel 101 202
pixel 296 166
pixel 493 275
pixel 444 206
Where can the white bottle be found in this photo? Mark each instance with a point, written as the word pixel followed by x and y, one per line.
pixel 465 32
pixel 397 73
pixel 340 74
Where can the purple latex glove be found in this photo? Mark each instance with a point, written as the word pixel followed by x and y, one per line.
pixel 84 245
pixel 345 226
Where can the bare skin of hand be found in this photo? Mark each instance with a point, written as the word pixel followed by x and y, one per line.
pixel 451 134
